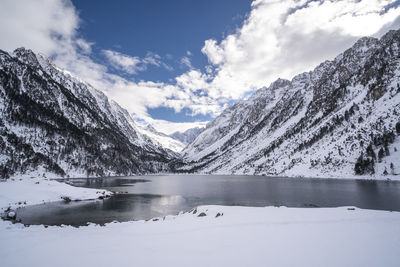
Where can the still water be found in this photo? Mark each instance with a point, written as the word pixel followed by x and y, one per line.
pixel 145 197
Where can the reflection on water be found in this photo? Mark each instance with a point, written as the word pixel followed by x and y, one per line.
pixel 103 182
pixel 156 196
pixel 125 207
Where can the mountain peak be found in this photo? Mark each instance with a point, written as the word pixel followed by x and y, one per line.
pixel 26 55
pixel 390 35
pixel 187 136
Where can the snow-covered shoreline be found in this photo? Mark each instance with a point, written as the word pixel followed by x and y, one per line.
pixel 239 236
pixel 16 193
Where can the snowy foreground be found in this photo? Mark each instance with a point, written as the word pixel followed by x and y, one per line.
pixel 241 236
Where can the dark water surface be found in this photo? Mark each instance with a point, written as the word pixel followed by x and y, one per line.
pixel 147 197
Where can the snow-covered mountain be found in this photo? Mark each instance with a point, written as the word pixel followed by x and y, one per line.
pixel 341 119
pixel 187 136
pixel 162 139
pixel 52 122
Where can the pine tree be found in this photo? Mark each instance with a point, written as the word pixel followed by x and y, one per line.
pixel 381 154
pixel 387 152
pixel 370 152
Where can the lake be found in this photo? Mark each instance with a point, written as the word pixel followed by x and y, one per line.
pixel 146 197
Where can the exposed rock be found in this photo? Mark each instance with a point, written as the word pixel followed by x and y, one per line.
pixel 66 199
pixel 11 215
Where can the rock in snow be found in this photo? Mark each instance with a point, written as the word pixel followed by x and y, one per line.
pixel 11 215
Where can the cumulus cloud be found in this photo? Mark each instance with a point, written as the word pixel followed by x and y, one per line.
pixel 277 39
pixel 284 38
pixel 45 26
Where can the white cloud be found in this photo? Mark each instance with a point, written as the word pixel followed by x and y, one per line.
pixel 86 47
pixel 186 62
pixel 133 65
pixel 123 62
pixel 284 38
pixel 45 26
pixel 213 52
pixel 277 39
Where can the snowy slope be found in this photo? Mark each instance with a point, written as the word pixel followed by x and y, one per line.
pixel 55 122
pixel 187 136
pixel 162 139
pixel 338 120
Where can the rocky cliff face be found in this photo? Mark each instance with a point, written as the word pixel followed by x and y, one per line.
pixel 51 122
pixel 341 119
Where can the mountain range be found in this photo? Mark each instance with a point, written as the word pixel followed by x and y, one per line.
pixel 339 120
pixel 53 123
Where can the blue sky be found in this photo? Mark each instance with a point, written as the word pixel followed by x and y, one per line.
pixel 178 64
pixel 171 29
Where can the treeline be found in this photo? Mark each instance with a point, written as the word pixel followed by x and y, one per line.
pixel 366 161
